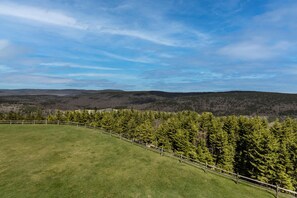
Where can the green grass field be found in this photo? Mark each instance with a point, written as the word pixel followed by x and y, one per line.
pixel 65 161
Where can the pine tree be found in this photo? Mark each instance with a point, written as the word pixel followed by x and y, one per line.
pixel 203 153
pixel 288 138
pixel 283 163
pixel 181 142
pixel 261 151
pixel 222 151
pixel 145 132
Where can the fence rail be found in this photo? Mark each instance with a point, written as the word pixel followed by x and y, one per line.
pixel 183 159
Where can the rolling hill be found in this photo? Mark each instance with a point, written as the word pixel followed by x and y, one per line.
pixel 65 161
pixel 219 103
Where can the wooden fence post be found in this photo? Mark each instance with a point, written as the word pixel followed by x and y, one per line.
pixel 237 178
pixel 276 191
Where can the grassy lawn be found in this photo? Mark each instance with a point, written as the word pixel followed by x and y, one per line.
pixel 64 161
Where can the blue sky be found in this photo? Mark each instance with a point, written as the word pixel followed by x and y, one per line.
pixel 175 45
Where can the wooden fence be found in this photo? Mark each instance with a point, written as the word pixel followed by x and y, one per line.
pixel 183 159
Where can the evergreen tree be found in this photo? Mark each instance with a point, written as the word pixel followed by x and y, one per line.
pixel 145 132
pixel 221 150
pixel 249 146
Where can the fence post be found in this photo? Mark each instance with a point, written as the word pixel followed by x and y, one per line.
pixel 34 121
pixel 181 158
pixel 161 151
pixel 22 122
pixel 276 191
pixel 46 122
pixel 58 122
pixel 9 121
pixel 237 178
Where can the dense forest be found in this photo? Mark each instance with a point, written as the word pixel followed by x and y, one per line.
pixel 249 103
pixel 250 146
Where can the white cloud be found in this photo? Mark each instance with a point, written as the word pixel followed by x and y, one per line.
pixel 284 15
pixel 255 76
pixel 9 50
pixel 5 69
pixel 72 65
pixel 167 36
pixel 33 79
pixel 60 19
pixel 153 37
pixel 254 50
pixel 118 76
pixel 39 15
pixel 164 33
pixel 3 44
pixel 90 75
pixel 137 60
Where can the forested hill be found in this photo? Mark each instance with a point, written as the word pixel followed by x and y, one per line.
pixel 219 103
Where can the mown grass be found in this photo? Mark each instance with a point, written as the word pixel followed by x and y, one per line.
pixel 65 161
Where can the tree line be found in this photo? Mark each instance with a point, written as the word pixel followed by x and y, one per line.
pixel 250 146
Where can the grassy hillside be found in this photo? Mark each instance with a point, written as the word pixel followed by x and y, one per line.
pixel 64 161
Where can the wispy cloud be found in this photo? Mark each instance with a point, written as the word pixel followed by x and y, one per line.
pixel 166 33
pixel 73 65
pixel 278 16
pixel 137 59
pixel 9 50
pixel 39 15
pixel 5 69
pixel 254 76
pixel 248 50
pixel 32 79
pixel 3 44
pixel 151 44
pixel 265 36
pixel 108 75
pixel 144 35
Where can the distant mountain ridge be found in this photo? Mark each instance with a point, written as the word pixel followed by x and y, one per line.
pixel 220 103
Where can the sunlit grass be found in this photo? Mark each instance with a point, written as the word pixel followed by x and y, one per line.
pixel 65 161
